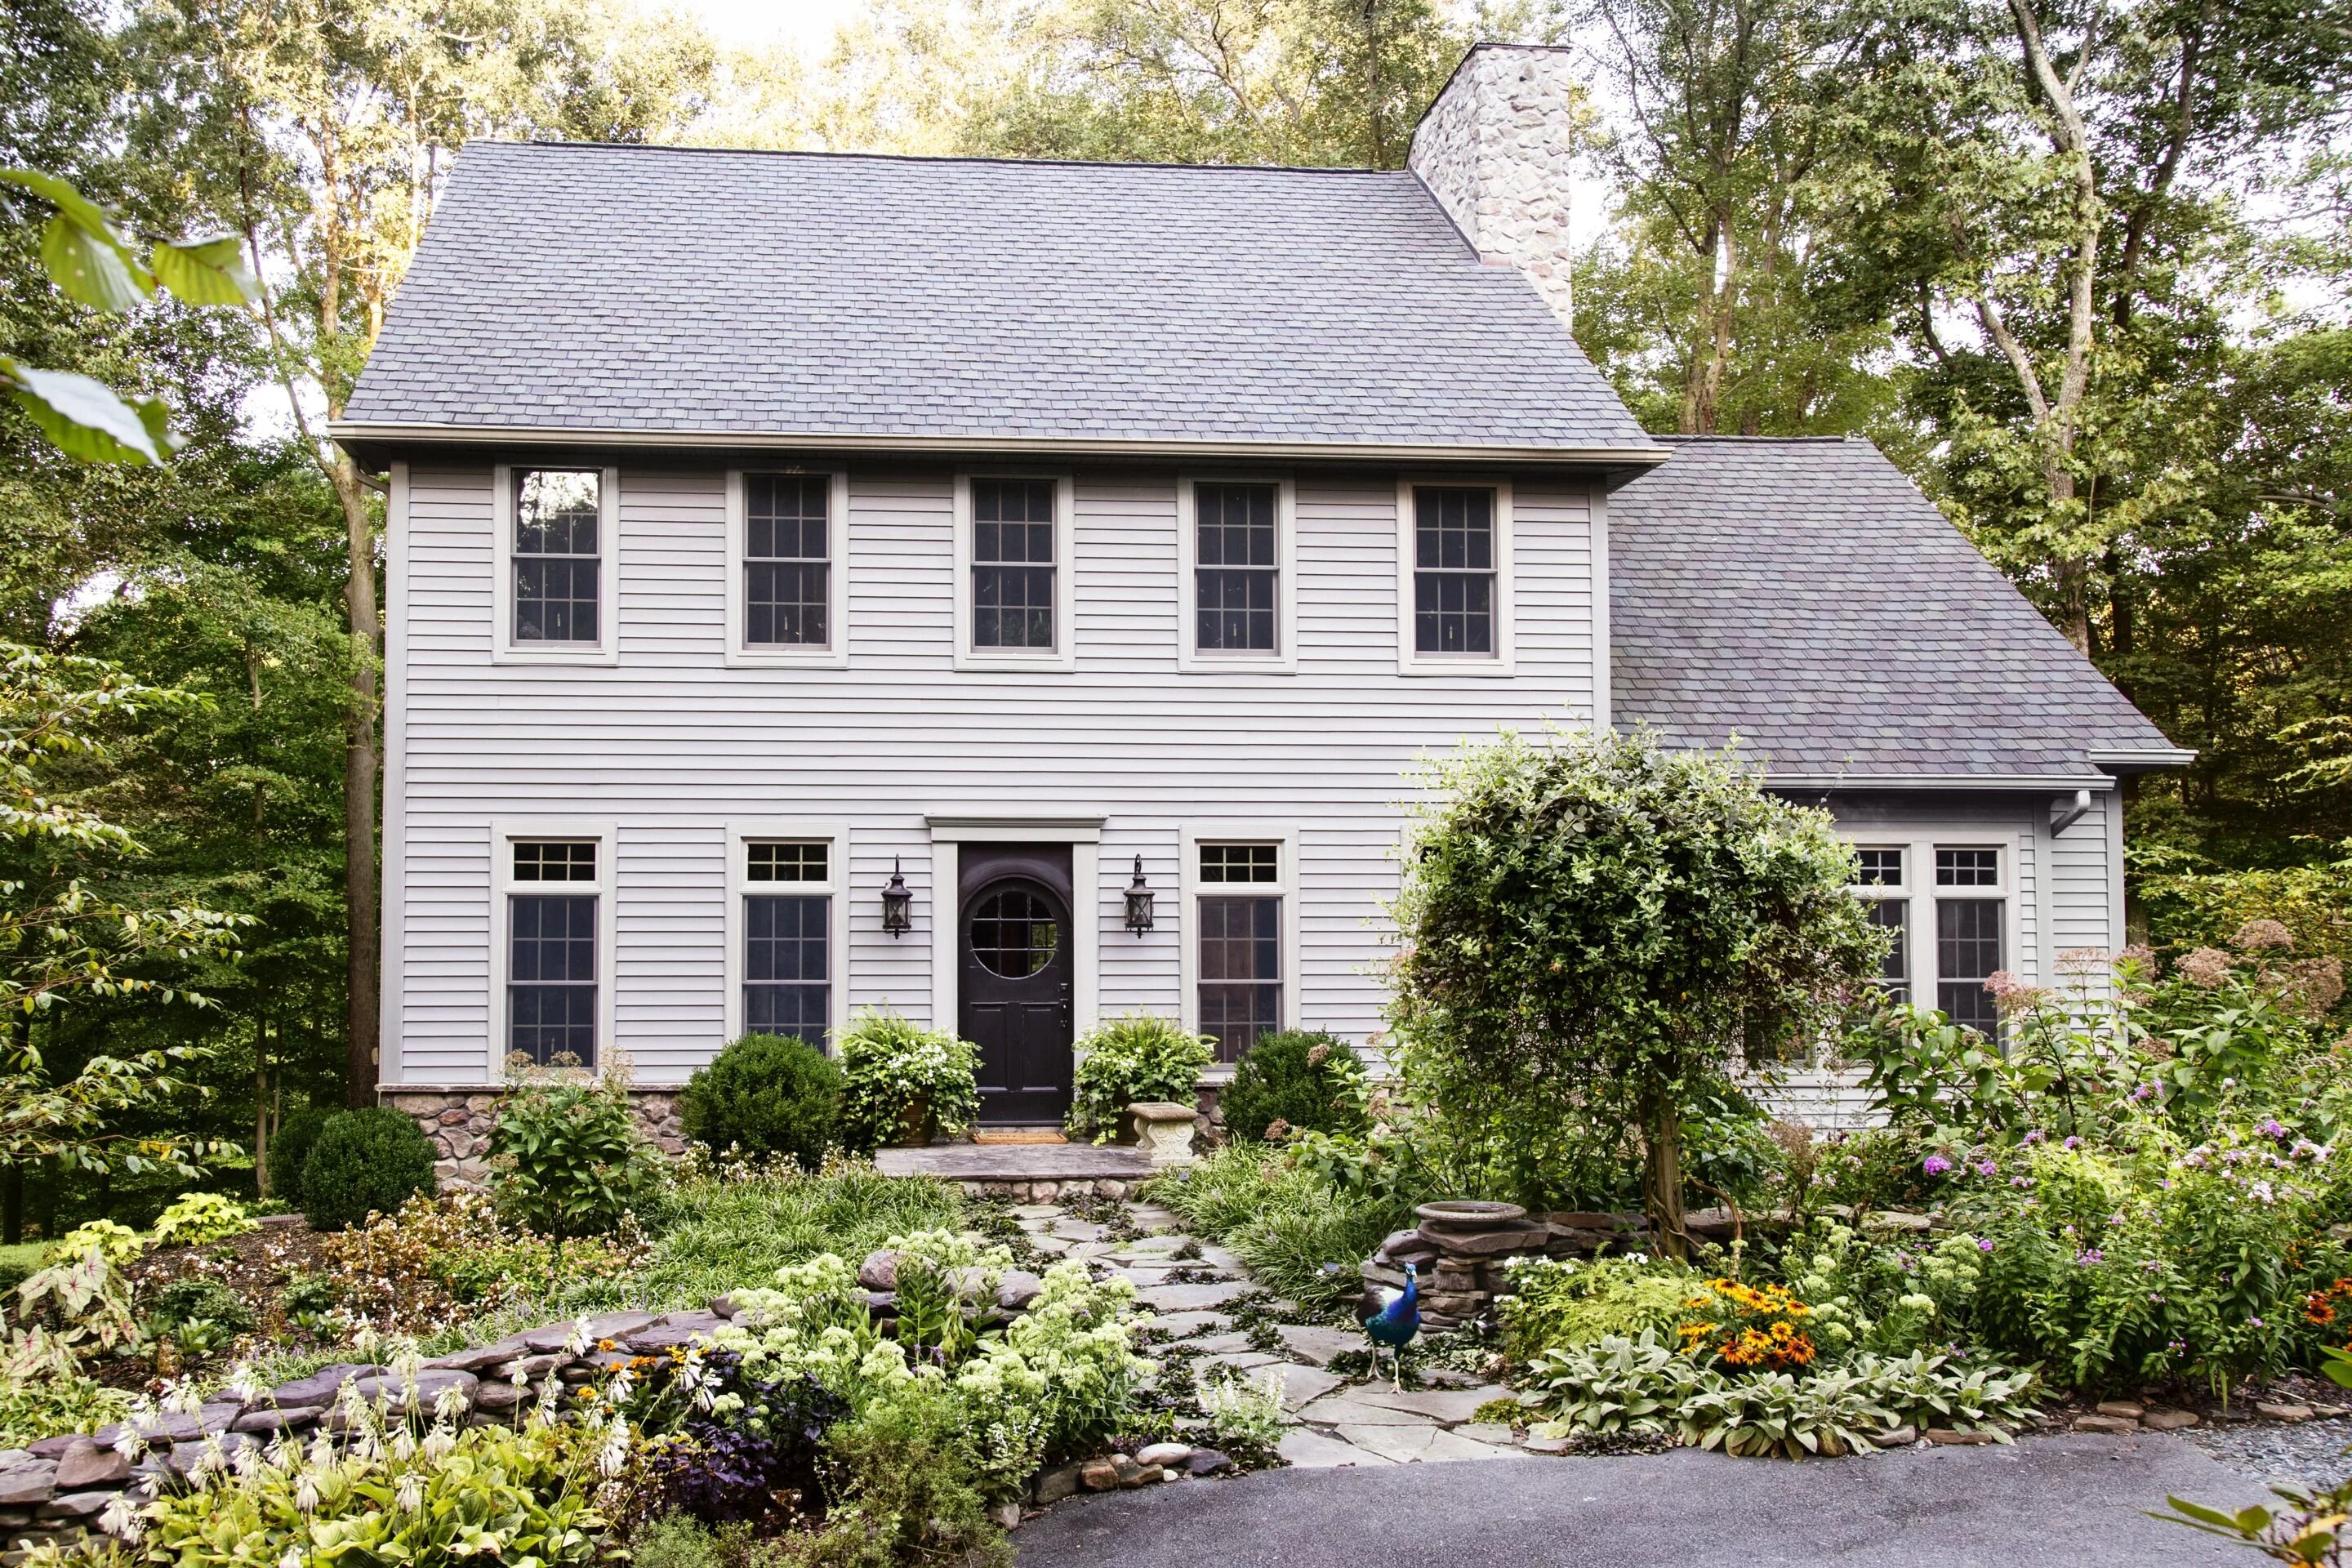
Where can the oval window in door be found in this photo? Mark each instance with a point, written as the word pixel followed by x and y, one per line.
pixel 1013 932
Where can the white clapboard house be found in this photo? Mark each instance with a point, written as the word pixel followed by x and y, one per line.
pixel 827 581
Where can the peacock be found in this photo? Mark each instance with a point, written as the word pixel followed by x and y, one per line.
pixel 1392 1318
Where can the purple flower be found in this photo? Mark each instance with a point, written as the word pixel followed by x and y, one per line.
pixel 2144 1091
pixel 1984 1244
pixel 1985 1167
pixel 2089 1256
pixel 1935 1164
pixel 2255 1322
pixel 2036 1136
pixel 2271 1128
pixel 2073 1143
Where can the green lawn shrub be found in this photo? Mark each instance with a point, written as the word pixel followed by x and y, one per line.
pixel 766 1097
pixel 289 1149
pixel 1303 1078
pixel 369 1161
pixel 566 1156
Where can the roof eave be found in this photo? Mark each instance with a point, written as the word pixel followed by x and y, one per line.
pixel 372 441
pixel 1886 783
pixel 2142 759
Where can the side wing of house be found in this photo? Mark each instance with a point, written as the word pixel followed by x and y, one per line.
pixel 1803 599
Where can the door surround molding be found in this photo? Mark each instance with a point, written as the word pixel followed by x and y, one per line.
pixel 948 832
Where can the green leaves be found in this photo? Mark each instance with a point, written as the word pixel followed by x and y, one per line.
pixel 206 272
pixel 84 418
pixel 96 264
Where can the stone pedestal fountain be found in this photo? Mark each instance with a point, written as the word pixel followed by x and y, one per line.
pixel 1462 1243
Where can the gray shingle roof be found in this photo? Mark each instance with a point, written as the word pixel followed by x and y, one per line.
pixel 1805 595
pixel 587 287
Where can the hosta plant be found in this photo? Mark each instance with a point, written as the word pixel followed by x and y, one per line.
pixel 1131 1058
pixel 198 1219
pixel 1245 1415
pixel 1925 1391
pixel 1769 1414
pixel 1617 1388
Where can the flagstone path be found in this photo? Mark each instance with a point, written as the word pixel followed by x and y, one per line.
pixel 1209 1315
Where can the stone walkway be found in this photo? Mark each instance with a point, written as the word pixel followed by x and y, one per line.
pixel 1209 1315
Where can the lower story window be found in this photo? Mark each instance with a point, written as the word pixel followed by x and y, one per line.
pixel 1893 916
pixel 1241 971
pixel 787 986
pixel 552 978
pixel 1968 953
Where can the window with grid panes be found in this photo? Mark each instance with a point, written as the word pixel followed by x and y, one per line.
pixel 1013 563
pixel 1969 938
pixel 558 515
pixel 787 943
pixel 787 560
pixel 1240 941
pixel 552 956
pixel 1454 571
pixel 1236 574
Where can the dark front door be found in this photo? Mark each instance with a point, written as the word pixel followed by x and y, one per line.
pixel 1015 979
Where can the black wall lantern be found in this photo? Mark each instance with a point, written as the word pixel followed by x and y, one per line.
pixel 1138 901
pixel 897 904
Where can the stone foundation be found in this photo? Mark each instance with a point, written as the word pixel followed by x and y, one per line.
pixel 1049 1192
pixel 456 1121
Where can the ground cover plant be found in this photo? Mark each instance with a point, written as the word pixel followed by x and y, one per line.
pixel 1300 1224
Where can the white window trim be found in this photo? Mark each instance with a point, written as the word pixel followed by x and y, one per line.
pixel 835 653
pixel 1190 889
pixel 1190 656
pixel 1063 655
pixel 605 649
pixel 1501 661
pixel 835 836
pixel 503 835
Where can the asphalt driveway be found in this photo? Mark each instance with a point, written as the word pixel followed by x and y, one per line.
pixel 2064 1501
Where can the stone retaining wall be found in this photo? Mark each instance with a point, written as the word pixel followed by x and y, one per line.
pixel 458 1122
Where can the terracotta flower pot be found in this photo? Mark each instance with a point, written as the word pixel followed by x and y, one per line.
pixel 917 1125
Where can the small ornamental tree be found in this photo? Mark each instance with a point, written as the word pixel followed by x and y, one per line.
pixel 1598 930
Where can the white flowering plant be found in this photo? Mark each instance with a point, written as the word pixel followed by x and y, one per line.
pixel 901 1082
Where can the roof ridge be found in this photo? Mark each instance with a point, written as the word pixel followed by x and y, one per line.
pixel 1734 439
pixel 655 147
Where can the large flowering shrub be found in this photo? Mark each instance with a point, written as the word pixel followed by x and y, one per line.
pixel 900 1081
pixel 2143 1263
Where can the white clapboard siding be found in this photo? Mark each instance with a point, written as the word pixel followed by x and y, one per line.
pixel 670 744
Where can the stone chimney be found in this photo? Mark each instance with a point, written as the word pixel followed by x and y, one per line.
pixel 1496 150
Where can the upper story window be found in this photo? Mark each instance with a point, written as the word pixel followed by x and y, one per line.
pixel 786 560
pixel 558 525
pixel 1013 564
pixel 1237 597
pixel 1014 607
pixel 555 594
pixel 1454 582
pixel 1234 583
pixel 788 569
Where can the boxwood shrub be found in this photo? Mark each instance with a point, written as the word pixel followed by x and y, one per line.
pixel 371 1159
pixel 768 1096
pixel 1304 1079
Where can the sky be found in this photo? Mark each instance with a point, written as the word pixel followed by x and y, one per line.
pixel 806 23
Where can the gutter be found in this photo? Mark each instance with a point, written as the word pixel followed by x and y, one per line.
pixel 1843 782
pixel 370 433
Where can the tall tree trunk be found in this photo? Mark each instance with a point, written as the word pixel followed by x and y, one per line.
pixel 363 994
pixel 1662 1174
pixel 12 1185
